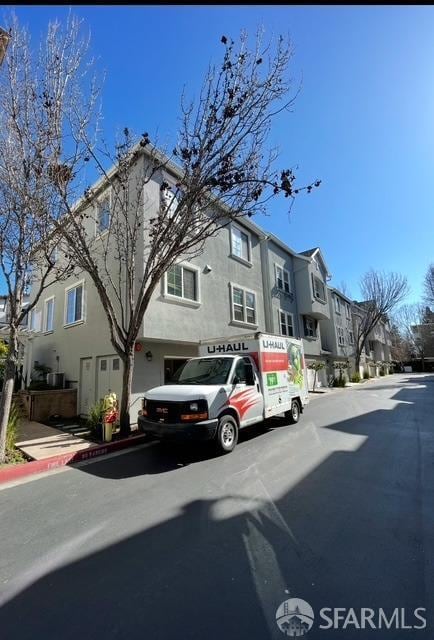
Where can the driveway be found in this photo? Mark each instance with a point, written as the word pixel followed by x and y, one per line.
pixel 170 542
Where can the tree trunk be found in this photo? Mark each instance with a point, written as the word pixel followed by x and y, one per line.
pixel 8 389
pixel 127 378
pixel 357 362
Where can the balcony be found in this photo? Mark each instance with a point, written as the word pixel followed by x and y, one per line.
pixel 311 302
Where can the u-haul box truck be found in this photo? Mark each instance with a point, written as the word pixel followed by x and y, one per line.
pixel 235 382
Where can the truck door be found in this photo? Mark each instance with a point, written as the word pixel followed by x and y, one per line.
pixel 246 395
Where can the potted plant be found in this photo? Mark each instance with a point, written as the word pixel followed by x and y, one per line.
pixel 94 421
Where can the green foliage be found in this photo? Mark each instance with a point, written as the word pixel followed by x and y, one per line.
pixel 339 382
pixel 13 455
pixel 96 413
pixel 41 371
pixel 11 435
pixel 355 377
pixel 3 354
pixel 317 366
pixel 366 375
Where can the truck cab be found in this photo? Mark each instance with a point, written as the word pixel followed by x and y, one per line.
pixel 233 385
pixel 203 391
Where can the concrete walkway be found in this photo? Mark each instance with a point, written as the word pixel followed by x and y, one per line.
pixel 38 441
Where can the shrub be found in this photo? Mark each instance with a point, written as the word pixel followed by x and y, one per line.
pixel 95 416
pixel 382 372
pixel 366 375
pixel 339 382
pixel 355 377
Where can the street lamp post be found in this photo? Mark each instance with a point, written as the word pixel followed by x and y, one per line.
pixel 4 41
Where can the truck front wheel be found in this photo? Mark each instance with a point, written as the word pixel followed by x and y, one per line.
pixel 294 414
pixel 227 434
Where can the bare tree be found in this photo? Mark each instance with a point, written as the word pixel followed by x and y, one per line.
pixel 416 328
pixel 429 285
pixel 40 100
pixel 400 348
pixel 382 292
pixel 343 288
pixel 219 171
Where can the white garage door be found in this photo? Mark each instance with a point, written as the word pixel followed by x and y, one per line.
pixel 109 378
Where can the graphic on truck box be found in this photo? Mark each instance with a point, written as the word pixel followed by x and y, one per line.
pixel 271 379
pixel 295 365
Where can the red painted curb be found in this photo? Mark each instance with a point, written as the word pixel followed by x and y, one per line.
pixel 14 472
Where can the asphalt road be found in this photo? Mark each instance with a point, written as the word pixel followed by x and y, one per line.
pixel 171 542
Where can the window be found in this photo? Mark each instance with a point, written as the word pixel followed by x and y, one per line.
pixel 182 282
pixel 243 305
pixel 282 279
pixel 170 200
pixel 286 323
pixel 49 315
pixel 116 364
pixel 337 305
pixel 74 304
pixel 35 320
pixel 318 289
pixel 103 365
pixel 351 337
pixel 347 310
pixel 240 244
pixel 103 215
pixel 309 327
pixel 341 339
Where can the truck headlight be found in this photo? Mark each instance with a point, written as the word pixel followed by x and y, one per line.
pixel 194 406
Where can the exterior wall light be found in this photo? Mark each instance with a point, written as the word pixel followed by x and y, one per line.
pixel 148 355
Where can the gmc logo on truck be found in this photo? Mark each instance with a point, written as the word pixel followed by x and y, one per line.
pixel 225 348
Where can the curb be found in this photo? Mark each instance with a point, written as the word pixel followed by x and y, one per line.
pixel 15 472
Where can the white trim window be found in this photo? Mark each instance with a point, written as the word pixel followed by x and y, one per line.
pixel 182 282
pixel 351 337
pixel 286 323
pixel 318 288
pixel 337 305
pixel 74 303
pixel 35 320
pixel 309 327
pixel 170 198
pixel 240 244
pixel 341 339
pixel 282 279
pixel 103 214
pixel 243 305
pixel 49 314
pixel 347 311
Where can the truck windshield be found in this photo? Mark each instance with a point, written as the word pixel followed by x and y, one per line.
pixel 204 371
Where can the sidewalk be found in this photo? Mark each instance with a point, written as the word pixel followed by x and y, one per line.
pixel 38 441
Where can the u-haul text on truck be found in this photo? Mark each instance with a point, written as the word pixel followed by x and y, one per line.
pixel 235 382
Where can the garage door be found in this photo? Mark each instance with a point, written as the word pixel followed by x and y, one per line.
pixel 109 376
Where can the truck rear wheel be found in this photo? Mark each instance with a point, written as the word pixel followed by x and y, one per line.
pixel 294 414
pixel 227 434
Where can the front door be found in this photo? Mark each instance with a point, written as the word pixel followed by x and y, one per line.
pixel 86 385
pixel 247 398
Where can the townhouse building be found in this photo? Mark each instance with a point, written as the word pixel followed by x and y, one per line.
pixel 245 280
pixel 377 348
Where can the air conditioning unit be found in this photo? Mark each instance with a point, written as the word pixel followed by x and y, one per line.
pixel 56 380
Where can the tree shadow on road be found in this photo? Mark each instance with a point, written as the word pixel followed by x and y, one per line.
pixel 353 531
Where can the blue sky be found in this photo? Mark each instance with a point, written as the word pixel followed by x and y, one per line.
pixel 363 122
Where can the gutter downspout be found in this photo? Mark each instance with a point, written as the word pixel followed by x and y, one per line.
pixel 266 284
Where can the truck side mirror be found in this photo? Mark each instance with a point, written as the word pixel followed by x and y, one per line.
pixel 235 380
